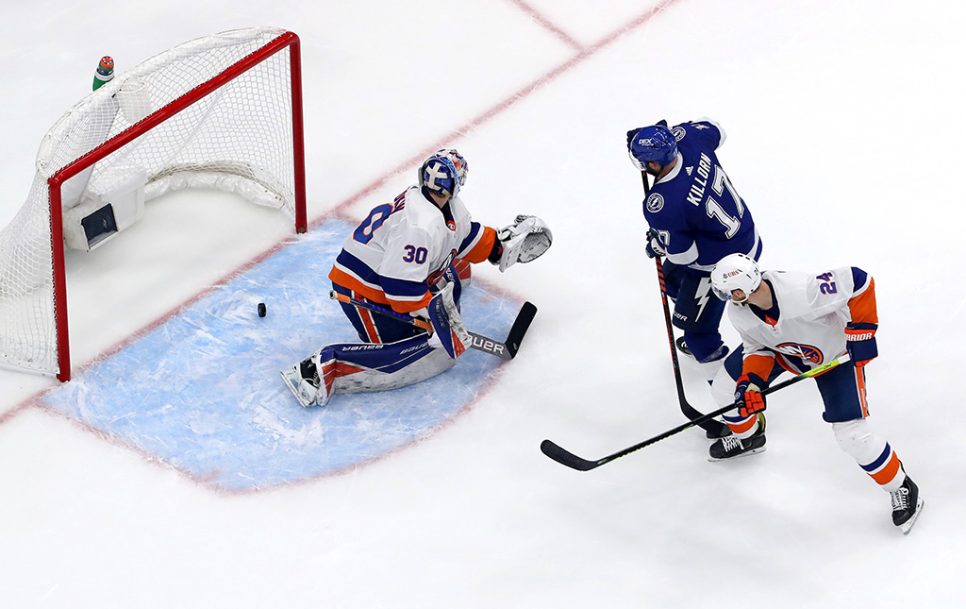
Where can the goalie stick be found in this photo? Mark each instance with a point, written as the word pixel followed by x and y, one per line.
pixel 713 429
pixel 565 457
pixel 505 350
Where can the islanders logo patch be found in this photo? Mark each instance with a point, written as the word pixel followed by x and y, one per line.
pixel 808 353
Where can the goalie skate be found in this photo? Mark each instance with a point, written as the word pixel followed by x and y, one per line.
pixel 303 381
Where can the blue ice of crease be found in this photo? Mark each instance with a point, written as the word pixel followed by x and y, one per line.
pixel 202 390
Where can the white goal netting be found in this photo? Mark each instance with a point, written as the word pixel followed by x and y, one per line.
pixel 216 112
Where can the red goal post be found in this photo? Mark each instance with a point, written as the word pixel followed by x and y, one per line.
pixel 223 111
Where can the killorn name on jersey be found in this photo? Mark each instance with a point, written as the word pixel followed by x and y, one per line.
pixel 696 194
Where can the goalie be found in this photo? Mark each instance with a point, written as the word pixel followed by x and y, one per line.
pixel 411 255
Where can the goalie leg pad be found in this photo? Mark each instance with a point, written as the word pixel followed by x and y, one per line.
pixel 362 367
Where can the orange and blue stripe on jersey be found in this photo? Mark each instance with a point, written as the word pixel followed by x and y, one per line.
pixel 478 244
pixel 862 304
pixel 760 364
pixel 402 295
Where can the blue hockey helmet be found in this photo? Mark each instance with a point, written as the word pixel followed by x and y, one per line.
pixel 462 167
pixel 655 143
pixel 439 174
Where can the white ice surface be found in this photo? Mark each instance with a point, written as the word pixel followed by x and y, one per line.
pixel 844 138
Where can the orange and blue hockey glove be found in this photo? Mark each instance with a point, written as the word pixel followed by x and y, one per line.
pixel 748 395
pixel 860 342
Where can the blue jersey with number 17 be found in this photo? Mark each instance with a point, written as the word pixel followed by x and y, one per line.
pixel 697 213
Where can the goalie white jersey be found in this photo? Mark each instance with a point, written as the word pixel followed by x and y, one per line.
pixel 806 326
pixel 402 248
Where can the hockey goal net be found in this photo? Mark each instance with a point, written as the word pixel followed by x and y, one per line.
pixel 224 111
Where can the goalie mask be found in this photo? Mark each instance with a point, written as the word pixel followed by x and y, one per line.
pixel 462 167
pixel 735 272
pixel 439 175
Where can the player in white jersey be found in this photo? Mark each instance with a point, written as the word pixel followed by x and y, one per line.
pixel 795 322
pixel 409 256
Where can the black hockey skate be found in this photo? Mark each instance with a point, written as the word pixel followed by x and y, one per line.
pixel 906 505
pixel 730 447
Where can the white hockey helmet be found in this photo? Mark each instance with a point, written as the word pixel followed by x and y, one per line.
pixel 735 272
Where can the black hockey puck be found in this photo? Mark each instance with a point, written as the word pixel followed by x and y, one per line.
pixel 261 309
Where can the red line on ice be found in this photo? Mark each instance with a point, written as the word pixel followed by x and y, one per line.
pixel 340 210
pixel 546 23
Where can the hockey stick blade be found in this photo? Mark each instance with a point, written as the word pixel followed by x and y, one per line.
pixel 507 350
pixel 565 457
pixel 519 328
pixel 488 345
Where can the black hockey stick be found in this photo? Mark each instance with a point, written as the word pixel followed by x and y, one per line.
pixel 504 350
pixel 714 429
pixel 565 457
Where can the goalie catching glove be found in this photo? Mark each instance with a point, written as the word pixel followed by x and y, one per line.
pixel 524 240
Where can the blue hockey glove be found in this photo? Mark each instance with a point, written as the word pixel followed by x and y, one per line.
pixel 748 395
pixel 860 342
pixel 654 247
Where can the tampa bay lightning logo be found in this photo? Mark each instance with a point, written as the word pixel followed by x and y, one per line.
pixel 655 202
pixel 808 353
pixel 679 133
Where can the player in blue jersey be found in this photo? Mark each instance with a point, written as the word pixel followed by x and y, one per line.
pixel 696 218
